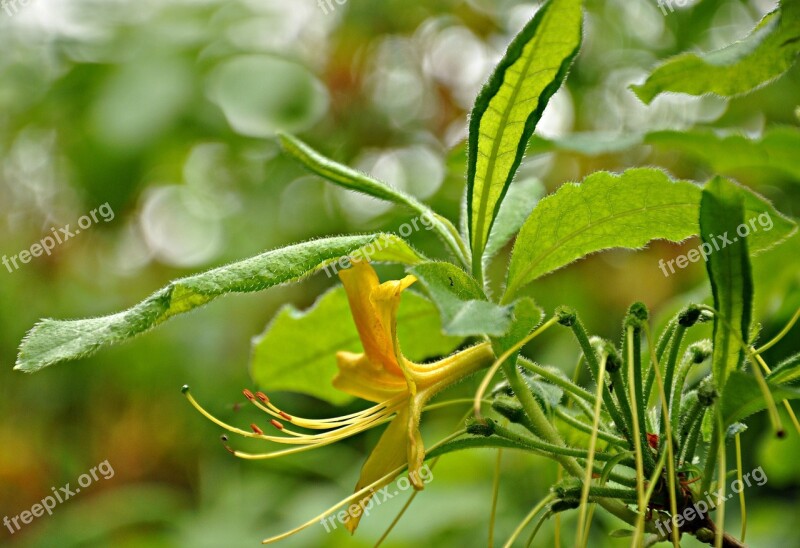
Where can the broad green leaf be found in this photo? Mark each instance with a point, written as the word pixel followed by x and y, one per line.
pixel 769 51
pixel 721 212
pixel 628 210
pixel 788 371
pixel 742 397
pixel 603 212
pixel 52 341
pixel 351 179
pixel 520 201
pixel 776 150
pixel 464 308
pixel 297 351
pixel 509 107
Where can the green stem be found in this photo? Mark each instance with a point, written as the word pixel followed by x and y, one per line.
pixel 587 428
pixel 574 493
pixel 594 367
pixel 622 398
pixel 545 447
pixel 711 457
pixel 548 432
pixel 661 347
pixel 635 336
pixel 688 421
pixel 556 379
pixel 680 382
pixel 669 368
pixel 688 448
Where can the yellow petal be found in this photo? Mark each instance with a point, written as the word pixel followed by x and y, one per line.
pixel 391 452
pixel 362 378
pixel 374 309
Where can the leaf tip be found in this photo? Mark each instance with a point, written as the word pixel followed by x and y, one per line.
pixel 640 90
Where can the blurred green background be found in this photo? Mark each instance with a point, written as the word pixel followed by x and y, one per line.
pixel 167 110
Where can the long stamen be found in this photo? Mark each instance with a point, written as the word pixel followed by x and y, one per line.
pixel 384 413
pixel 291 437
pixel 262 402
pixel 307 447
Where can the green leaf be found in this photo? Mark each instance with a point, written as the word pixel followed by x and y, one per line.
pixel 520 201
pixel 297 351
pixel 776 149
pixel 509 107
pixel 462 303
pixel 786 372
pixel 343 175
pixel 769 51
pixel 627 210
pixel 351 179
pixel 742 397
pixel 53 341
pixel 603 212
pixel 721 212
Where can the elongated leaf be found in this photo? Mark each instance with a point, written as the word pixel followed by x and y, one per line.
pixel 297 351
pixel 742 397
pixel 788 371
pixel 627 210
pixel 463 305
pixel 520 201
pixel 510 105
pixel 769 51
pixel 604 211
pixel 353 180
pixel 53 341
pixel 721 212
pixel 343 175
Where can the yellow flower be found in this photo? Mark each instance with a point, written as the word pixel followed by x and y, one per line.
pixel 381 374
